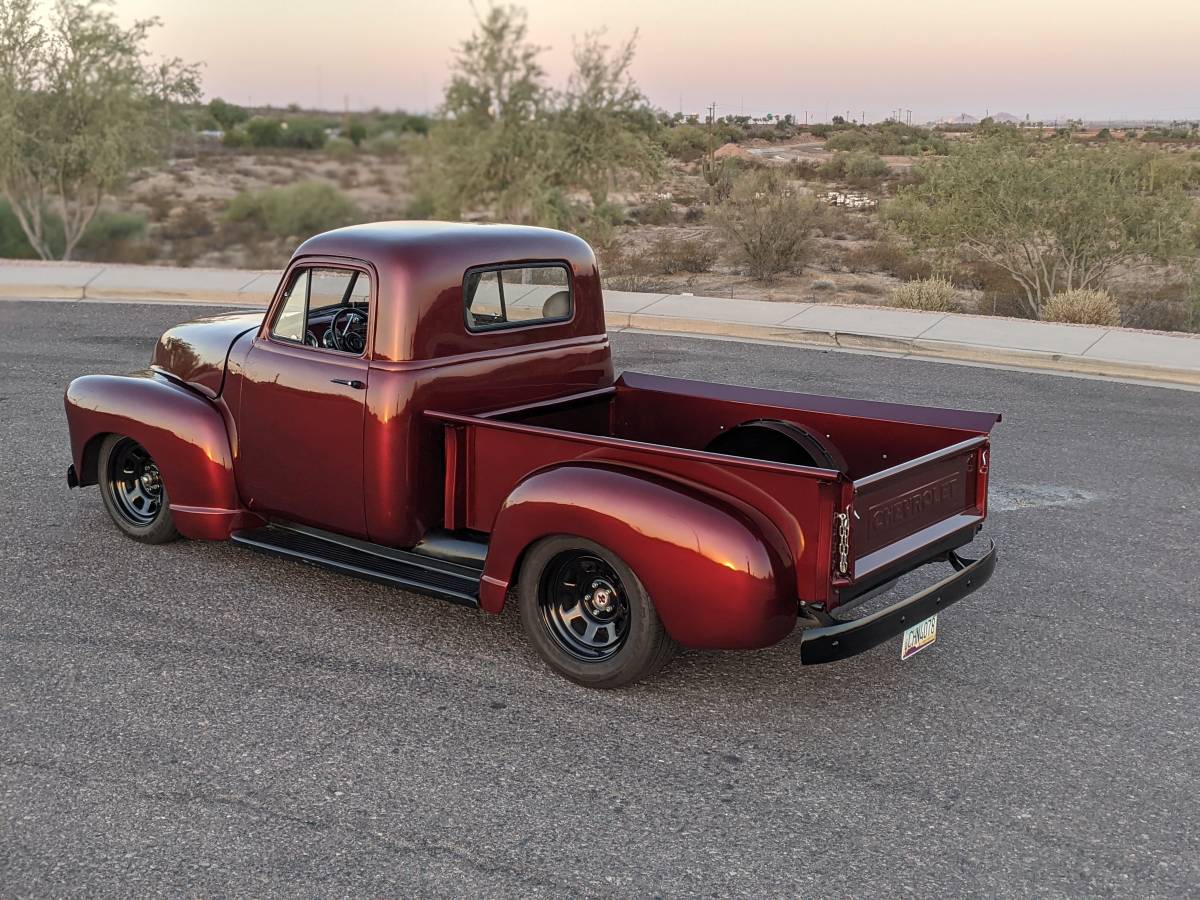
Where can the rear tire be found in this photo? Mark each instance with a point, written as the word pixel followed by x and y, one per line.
pixel 133 491
pixel 588 616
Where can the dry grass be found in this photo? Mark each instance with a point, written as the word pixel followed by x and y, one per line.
pixel 1082 307
pixel 929 294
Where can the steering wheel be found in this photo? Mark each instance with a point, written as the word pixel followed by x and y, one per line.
pixel 347 328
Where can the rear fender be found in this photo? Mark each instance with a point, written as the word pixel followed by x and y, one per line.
pixel 718 573
pixel 185 433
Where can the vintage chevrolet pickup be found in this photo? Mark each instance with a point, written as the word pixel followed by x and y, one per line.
pixel 433 406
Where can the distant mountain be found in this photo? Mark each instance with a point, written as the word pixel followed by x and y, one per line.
pixel 1006 118
pixel 961 119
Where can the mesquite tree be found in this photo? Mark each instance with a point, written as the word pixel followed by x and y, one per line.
pixel 1056 218
pixel 81 105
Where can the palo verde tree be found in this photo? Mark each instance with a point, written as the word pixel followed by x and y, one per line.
pixel 81 105
pixel 1056 218
pixel 488 140
pixel 507 144
pixel 604 124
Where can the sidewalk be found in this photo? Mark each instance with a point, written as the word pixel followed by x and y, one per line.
pixel 1114 352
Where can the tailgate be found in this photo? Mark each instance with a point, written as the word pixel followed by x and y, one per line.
pixel 911 510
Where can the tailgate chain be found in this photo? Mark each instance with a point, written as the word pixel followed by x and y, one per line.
pixel 843 528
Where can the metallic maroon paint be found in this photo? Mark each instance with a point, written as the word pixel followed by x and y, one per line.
pixel 183 431
pixel 719 573
pixel 245 427
pixel 195 351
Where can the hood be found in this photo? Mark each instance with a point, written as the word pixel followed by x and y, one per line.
pixel 195 352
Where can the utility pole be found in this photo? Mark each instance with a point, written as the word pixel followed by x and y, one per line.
pixel 712 128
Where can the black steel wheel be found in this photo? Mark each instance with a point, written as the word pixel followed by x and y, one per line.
pixel 584 605
pixel 588 615
pixel 133 491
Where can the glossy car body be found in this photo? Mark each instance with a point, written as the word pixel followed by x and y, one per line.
pixel 442 436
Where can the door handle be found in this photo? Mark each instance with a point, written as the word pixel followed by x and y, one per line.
pixel 349 382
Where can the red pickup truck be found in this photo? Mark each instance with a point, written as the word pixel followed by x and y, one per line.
pixel 433 406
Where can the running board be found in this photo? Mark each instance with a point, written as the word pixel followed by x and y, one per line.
pixel 399 568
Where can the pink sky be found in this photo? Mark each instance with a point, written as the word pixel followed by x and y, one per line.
pixel 1048 58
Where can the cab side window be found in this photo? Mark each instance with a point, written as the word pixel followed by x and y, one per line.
pixel 290 323
pixel 327 308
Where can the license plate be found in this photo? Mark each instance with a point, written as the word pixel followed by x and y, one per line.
pixel 918 637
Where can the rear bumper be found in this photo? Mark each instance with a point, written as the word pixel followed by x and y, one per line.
pixel 833 642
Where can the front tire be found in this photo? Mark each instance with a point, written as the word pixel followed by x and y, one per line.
pixel 133 491
pixel 588 615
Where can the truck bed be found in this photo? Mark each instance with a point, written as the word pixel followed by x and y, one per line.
pixel 914 486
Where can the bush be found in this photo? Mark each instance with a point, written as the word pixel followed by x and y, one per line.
pixel 766 225
pixel 236 138
pixel 262 132
pixel 848 140
pixel 856 167
pixel 304 134
pixel 105 237
pixel 297 211
pixel 673 255
pixel 888 259
pixel 340 149
pixel 685 142
pixel 862 165
pixel 386 145
pixel 623 271
pixel 657 212
pixel 1082 307
pixel 929 294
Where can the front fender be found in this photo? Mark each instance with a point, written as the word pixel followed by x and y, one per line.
pixel 184 432
pixel 719 575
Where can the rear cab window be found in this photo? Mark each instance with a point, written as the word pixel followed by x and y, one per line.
pixel 511 296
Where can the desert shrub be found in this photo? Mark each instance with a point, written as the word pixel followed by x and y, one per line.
pixel 13 243
pixel 862 165
pixel 304 134
pixel 356 133
pixel 236 138
pixel 296 211
pixel 1056 217
pixel 191 221
pixel 656 212
pixel 421 206
pixel 889 259
pixel 1082 307
pixel 848 140
pixel 673 255
pixel 766 224
pixel 856 167
pixel 626 271
pixel 823 284
pixel 1159 313
pixel 227 115
pixel 803 169
pixel 684 142
pixel 386 144
pixel 339 148
pixel 105 237
pixel 262 132
pixel 930 294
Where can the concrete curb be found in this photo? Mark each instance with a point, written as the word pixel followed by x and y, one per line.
pixel 777 323
pixel 947 350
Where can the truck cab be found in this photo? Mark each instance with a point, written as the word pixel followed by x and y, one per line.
pixel 434 406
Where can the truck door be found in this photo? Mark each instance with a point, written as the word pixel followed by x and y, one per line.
pixel 303 403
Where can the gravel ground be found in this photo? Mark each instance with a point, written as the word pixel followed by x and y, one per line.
pixel 199 719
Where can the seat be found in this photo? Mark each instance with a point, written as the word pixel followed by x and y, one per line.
pixel 557 305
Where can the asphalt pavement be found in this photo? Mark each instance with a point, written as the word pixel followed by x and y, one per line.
pixel 199 719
